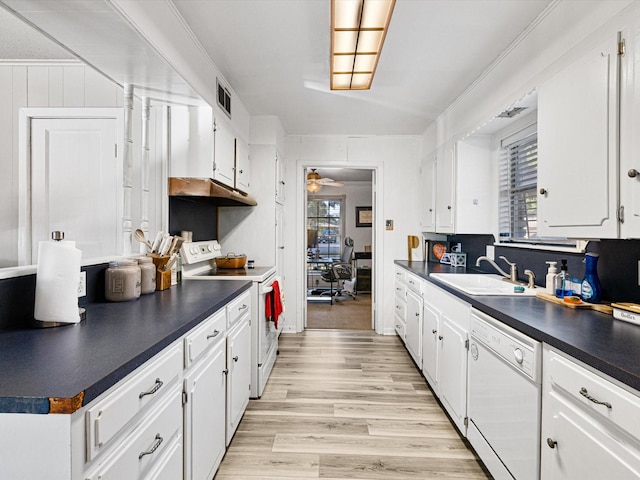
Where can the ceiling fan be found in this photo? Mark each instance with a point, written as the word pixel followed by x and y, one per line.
pixel 315 181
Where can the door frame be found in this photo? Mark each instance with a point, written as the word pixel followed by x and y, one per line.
pixel 376 235
pixel 25 116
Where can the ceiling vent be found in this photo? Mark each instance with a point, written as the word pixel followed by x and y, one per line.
pixel 224 98
pixel 511 112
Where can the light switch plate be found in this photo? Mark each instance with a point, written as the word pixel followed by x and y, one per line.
pixel 388 224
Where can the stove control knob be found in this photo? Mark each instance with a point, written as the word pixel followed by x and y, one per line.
pixel 517 353
pixel 210 248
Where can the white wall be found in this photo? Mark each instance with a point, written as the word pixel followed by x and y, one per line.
pixel 397 160
pixel 357 194
pixel 74 85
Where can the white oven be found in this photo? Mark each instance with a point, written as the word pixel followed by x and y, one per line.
pixel 504 399
pixel 198 264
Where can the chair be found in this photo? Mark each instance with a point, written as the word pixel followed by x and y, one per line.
pixel 342 271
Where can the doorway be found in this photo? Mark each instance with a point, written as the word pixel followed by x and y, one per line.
pixel 339 228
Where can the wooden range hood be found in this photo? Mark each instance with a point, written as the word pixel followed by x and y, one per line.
pixel 207 190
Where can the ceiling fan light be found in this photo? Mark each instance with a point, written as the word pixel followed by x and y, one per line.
pixel 314 187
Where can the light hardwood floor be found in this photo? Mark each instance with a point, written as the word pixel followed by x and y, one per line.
pixel 346 405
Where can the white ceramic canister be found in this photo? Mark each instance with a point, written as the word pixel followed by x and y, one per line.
pixel 122 281
pixel 147 275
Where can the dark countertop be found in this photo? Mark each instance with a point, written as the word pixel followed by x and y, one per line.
pixel 608 345
pixel 74 364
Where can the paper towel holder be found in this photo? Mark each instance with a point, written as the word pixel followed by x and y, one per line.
pixel 58 236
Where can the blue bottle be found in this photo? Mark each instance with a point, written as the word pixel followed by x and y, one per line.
pixel 591 290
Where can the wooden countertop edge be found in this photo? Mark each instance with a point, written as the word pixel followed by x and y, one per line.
pixel 65 405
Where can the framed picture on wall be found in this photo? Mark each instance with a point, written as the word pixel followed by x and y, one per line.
pixel 364 216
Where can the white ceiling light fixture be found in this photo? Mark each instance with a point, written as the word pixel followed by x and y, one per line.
pixel 315 181
pixel 358 30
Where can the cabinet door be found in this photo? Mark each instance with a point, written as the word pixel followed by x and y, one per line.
pixel 430 320
pixel 428 193
pixel 242 166
pixel 445 191
pixel 224 152
pixel 280 179
pixel 577 147
pixel 413 329
pixel 280 239
pixel 239 366
pixel 452 372
pixel 205 415
pixel 582 448
pixel 191 142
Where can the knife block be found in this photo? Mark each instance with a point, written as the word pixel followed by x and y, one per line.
pixel 163 277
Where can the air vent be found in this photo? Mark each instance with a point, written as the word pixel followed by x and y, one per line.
pixel 511 112
pixel 224 98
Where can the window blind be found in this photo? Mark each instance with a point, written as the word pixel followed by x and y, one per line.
pixel 518 180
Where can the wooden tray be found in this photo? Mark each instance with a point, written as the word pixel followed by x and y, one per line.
pixel 598 307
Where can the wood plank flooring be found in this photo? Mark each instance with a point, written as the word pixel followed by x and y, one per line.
pixel 346 405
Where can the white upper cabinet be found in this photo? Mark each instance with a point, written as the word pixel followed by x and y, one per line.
pixel 224 152
pixel 456 185
pixel 242 165
pixel 578 147
pixel 205 145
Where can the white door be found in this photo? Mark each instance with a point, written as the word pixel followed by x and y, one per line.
pixel 76 183
pixel 428 193
pixel 452 373
pixel 430 319
pixel 205 416
pixel 577 147
pixel 224 152
pixel 239 380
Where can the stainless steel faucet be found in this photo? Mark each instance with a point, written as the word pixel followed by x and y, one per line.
pixel 513 269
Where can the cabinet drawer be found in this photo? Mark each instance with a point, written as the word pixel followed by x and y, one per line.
pixel 147 444
pixel 400 327
pixel 401 308
pixel 586 388
pixel 210 332
pixel 415 284
pixel 239 307
pixel 109 415
pixel 401 290
pixel 401 275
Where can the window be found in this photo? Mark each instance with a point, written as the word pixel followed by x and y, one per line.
pixel 324 226
pixel 518 177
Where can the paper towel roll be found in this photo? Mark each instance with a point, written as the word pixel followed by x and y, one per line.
pixel 57 278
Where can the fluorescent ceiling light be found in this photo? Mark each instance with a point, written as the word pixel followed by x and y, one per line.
pixel 358 29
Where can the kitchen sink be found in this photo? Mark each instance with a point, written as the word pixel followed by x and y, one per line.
pixel 482 284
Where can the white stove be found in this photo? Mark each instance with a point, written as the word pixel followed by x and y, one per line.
pixel 198 264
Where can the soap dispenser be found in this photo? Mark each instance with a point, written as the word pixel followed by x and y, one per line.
pixel 563 281
pixel 591 291
pixel 552 273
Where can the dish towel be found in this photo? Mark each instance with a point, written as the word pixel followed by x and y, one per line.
pixel 273 303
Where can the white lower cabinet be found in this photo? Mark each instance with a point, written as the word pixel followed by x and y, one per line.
pixel 147 444
pixel 590 426
pixel 445 327
pixel 400 305
pixel 413 328
pixel 239 378
pixel 204 415
pixel 171 418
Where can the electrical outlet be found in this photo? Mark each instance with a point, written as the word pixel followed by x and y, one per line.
pixel 82 284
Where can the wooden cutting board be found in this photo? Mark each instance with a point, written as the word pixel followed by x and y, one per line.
pixel 598 307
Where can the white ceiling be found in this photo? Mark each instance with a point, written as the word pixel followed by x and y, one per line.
pixel 275 55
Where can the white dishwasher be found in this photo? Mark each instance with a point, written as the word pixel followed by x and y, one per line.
pixel 504 398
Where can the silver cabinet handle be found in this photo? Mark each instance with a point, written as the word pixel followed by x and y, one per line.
pixel 156 387
pixel 434 331
pixel 235 359
pixel 440 337
pixel 543 191
pixel 417 314
pixel 225 371
pixel 552 443
pixel 585 394
pixel 159 440
pixel 214 334
pixel 243 307
pixel 633 173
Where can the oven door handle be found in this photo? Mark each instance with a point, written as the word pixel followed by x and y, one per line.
pixel 268 288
